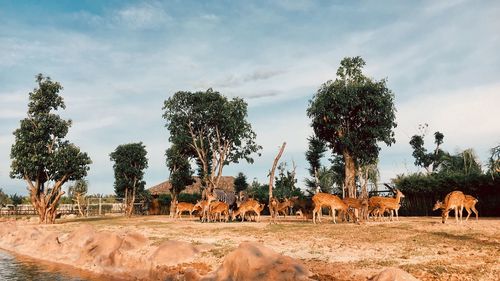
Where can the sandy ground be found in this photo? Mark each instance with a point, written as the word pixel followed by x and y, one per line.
pixel 422 246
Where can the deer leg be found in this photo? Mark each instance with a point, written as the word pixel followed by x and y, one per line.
pixel 456 214
pixel 333 216
pixel 475 212
pixel 468 213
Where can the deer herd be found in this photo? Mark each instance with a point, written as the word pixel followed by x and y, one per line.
pixel 349 209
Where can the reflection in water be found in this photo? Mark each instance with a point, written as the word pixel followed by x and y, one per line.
pixel 14 268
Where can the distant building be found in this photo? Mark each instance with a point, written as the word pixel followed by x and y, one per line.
pixel 226 183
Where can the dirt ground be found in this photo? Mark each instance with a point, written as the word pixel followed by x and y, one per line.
pixel 422 246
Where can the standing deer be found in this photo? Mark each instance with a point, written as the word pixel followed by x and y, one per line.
pixel 204 207
pixel 379 204
pixel 246 207
pixel 283 207
pixel 469 204
pixel 219 209
pixel 328 200
pixel 454 200
pixel 184 207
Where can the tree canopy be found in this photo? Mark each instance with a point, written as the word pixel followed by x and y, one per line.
pixel 181 174
pixel 240 182
pixel 40 155
pixel 427 160
pixel 129 164
pixel 212 129
pixel 352 114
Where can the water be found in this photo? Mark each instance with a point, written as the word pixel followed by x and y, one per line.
pixel 23 269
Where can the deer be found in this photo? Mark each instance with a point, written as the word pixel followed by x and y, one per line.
pixel 454 200
pixel 378 205
pixel 469 204
pixel 184 207
pixel 360 206
pixel 328 200
pixel 219 209
pixel 204 207
pixel 250 205
pixel 283 207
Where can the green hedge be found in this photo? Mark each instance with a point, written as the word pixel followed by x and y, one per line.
pixel 422 191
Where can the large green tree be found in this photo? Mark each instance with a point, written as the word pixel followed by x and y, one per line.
pixel 214 128
pixel 130 163
pixel 40 155
pixel 494 161
pixel 352 115
pixel 181 174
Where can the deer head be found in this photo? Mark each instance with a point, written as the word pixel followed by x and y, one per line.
pixel 437 205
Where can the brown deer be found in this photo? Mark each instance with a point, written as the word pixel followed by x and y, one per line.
pixel 184 207
pixel 454 200
pixel 283 207
pixel 204 207
pixel 328 200
pixel 360 206
pixel 469 204
pixel 246 207
pixel 378 205
pixel 219 209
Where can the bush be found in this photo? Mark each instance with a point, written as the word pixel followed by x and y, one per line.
pixel 422 191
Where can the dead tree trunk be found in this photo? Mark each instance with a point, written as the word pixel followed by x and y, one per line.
pixel 271 179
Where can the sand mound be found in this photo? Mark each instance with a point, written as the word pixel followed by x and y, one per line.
pixel 253 261
pixel 174 252
pixel 393 274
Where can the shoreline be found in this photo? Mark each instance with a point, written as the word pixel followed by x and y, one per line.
pixel 158 248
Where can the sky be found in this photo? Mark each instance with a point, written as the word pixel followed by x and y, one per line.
pixel 118 61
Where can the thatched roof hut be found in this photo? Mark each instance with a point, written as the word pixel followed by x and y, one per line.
pixel 226 183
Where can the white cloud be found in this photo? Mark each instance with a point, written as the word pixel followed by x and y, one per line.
pixel 142 16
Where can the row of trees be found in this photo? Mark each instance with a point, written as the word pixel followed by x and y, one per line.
pixel 350 116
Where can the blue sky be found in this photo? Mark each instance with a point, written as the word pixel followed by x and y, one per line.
pixel 119 60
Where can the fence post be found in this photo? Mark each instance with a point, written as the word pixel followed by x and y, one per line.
pixel 100 206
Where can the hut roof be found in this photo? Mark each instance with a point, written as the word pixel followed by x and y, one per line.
pixel 226 183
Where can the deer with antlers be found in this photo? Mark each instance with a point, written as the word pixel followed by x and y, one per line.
pixel 454 200
pixel 469 204
pixel 331 201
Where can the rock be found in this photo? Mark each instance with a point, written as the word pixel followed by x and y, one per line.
pixel 173 252
pixel 253 261
pixel 393 274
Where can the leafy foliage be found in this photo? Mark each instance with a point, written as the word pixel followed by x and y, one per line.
pixel 240 182
pixel 427 160
pixel 4 198
pixel 494 161
pixel 422 190
pixel 285 183
pixel 129 164
pixel 78 188
pixel 212 129
pixel 352 114
pixel 40 155
pixel 180 170
pixel 314 154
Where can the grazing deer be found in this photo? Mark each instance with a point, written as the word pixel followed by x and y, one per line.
pixel 328 200
pixel 184 207
pixel 469 204
pixel 454 200
pixel 378 204
pixel 219 209
pixel 273 209
pixel 303 206
pixel 246 207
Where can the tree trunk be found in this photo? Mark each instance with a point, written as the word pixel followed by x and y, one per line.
pixel 350 174
pixel 45 204
pixel 173 204
pixel 271 172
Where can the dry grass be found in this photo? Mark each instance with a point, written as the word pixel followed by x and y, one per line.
pixel 423 246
